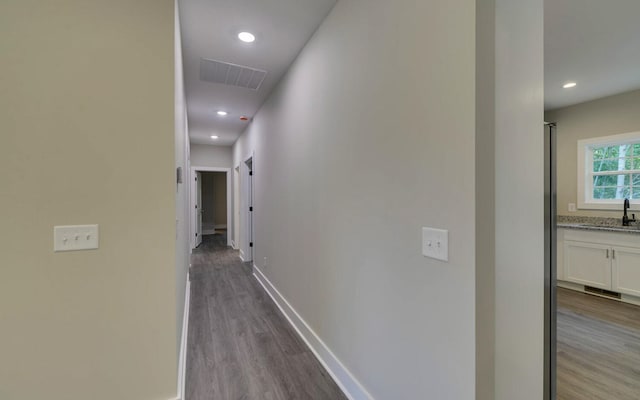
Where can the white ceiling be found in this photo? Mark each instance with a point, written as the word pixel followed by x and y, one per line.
pixel 595 43
pixel 209 30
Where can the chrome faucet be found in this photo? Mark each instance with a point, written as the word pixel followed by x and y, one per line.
pixel 625 218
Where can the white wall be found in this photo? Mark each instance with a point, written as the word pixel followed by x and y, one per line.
pixel 87 88
pixel 182 190
pixel 203 155
pixel 608 116
pixel 369 137
pixel 519 202
pixel 485 199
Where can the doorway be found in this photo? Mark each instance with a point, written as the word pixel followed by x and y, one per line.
pixel 593 245
pixel 592 328
pixel 210 204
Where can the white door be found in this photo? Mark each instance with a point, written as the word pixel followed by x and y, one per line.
pixel 250 197
pixel 626 270
pixel 588 264
pixel 198 208
pixel 236 207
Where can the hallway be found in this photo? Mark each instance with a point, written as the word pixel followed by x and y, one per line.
pixel 240 345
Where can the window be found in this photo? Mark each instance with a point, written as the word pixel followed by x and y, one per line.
pixel 609 171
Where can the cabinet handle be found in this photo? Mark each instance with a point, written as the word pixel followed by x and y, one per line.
pixel 613 253
pixel 607 253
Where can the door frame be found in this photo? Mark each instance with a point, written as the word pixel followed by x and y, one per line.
pixel 197 209
pixel 247 218
pixel 550 264
pixel 193 200
pixel 235 242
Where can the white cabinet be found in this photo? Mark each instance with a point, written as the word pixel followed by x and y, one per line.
pixel 560 255
pixel 587 264
pixel 604 260
pixel 626 270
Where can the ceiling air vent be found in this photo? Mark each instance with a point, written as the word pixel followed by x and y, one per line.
pixel 231 74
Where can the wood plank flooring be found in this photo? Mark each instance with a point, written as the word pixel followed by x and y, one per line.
pixel 240 347
pixel 598 348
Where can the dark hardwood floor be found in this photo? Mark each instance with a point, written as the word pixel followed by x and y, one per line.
pixel 240 345
pixel 598 348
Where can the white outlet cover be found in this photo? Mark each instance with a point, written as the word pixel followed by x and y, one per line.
pixel 75 237
pixel 435 243
pixel 572 207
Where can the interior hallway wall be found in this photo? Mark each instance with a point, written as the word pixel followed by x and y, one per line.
pixel 369 137
pixel 603 117
pixel 519 201
pixel 204 155
pixel 485 175
pixel 87 88
pixel 183 251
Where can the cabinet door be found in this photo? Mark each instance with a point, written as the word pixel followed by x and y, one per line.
pixel 587 264
pixel 560 256
pixel 626 270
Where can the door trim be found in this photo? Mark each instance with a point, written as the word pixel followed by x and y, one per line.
pixel 550 261
pixel 235 242
pixel 247 195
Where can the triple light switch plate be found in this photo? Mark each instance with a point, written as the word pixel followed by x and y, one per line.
pixel 75 237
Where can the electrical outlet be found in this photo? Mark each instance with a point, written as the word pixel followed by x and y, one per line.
pixel 572 207
pixel 435 243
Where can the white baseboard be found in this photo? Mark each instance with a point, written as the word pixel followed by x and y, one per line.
pixel 570 285
pixel 340 374
pixel 182 358
pixel 624 298
pixel 241 254
pixel 630 299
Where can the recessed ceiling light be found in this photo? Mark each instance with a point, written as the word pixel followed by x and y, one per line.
pixel 246 37
pixel 569 85
pixel 214 137
pixel 222 113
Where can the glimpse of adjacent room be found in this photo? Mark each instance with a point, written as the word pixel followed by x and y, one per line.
pixel 214 203
pixel 210 208
pixel 592 100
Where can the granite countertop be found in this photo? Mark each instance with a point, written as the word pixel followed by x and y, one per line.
pixel 597 224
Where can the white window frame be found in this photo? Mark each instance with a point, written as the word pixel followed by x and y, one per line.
pixel 585 171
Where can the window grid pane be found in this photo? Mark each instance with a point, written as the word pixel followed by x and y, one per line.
pixel 616 164
pixel 614 187
pixel 612 180
pixel 614 173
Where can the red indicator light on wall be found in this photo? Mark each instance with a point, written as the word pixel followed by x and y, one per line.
pixel 243 118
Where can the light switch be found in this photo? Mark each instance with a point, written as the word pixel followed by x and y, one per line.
pixel 75 237
pixel 435 243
